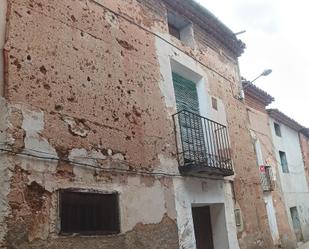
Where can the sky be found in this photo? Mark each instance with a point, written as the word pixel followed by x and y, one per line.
pixel 277 37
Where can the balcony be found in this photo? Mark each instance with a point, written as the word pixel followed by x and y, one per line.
pixel 202 145
pixel 266 178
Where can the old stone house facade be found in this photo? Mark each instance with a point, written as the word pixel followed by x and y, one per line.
pixel 259 122
pixel 281 154
pixel 129 109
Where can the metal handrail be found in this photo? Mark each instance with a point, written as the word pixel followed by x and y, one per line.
pixel 201 142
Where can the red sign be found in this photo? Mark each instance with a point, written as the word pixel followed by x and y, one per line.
pixel 262 168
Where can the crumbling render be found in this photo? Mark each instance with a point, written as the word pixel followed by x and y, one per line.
pixel 76 126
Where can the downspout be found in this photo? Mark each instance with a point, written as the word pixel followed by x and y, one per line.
pixel 3 17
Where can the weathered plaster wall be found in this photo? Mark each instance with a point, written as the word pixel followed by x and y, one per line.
pixel 85 82
pixel 82 84
pixel 260 128
pixel 104 87
pixel 294 184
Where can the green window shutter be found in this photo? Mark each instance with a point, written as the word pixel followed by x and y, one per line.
pixel 191 125
pixel 186 94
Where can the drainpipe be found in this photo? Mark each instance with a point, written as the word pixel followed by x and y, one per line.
pixel 3 16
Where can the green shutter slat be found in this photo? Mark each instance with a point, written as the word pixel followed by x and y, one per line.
pixel 186 94
pixel 191 125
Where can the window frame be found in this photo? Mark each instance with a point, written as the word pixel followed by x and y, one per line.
pixel 284 167
pixel 277 128
pixel 117 214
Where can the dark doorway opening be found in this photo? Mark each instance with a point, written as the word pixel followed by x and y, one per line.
pixel 202 227
pixel 296 224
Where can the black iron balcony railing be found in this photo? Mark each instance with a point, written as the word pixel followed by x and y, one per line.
pixel 266 178
pixel 202 145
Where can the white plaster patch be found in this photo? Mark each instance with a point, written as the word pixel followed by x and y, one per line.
pixel 33 121
pixel 144 205
pixel 33 124
pixel 76 127
pixel 118 157
pixel 81 156
pixel 112 19
pixel 167 165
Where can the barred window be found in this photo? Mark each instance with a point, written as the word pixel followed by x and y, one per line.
pixel 89 213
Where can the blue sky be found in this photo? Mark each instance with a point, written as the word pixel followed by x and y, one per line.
pixel 277 37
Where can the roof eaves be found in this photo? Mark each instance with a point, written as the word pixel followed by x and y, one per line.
pixel 305 131
pixel 284 119
pixel 251 89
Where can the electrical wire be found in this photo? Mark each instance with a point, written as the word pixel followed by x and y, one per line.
pixel 110 169
pixel 56 158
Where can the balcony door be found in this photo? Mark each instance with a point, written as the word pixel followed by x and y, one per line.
pixel 190 122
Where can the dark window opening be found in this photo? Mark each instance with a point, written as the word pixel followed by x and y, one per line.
pixel 277 129
pixel 89 213
pixel 181 28
pixel 296 224
pixel 174 31
pixel 284 162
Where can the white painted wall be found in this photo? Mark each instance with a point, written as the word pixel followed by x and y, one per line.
pixel 293 184
pixel 193 191
pixel 218 222
pixel 215 193
pixel 272 221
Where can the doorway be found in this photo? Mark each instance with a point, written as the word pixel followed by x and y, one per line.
pixel 296 224
pixel 202 227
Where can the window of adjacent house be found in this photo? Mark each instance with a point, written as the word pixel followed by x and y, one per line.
pixel 284 162
pixel 237 217
pixel 277 129
pixel 296 224
pixel 89 213
pixel 180 28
